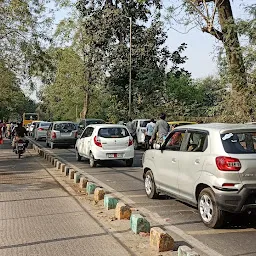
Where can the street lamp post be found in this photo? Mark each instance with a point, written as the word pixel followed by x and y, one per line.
pixel 130 73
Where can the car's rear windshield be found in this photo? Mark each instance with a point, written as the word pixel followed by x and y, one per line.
pixel 144 123
pixel 113 132
pixel 64 127
pixel 239 143
pixel 45 124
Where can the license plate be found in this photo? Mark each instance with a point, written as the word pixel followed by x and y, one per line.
pixel 115 155
pixel 20 145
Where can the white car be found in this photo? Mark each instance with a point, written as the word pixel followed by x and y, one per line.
pixel 105 142
pixel 140 126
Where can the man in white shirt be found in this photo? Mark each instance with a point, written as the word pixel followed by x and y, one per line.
pixel 149 131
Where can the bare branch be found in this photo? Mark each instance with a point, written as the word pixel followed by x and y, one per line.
pixel 216 33
pixel 197 9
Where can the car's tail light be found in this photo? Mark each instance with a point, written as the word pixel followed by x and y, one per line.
pixel 54 135
pixel 40 129
pixel 130 142
pixel 225 163
pixel 228 185
pixel 97 141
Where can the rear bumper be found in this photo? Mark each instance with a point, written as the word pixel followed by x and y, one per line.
pixel 65 141
pixel 236 201
pixel 103 154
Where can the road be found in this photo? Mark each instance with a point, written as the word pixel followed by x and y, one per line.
pixel 237 238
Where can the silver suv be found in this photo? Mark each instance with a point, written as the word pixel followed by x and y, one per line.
pixel 211 166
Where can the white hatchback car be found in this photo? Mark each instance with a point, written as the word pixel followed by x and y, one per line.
pixel 105 142
pixel 211 166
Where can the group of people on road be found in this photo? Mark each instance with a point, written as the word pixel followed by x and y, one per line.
pixel 12 131
pixel 154 130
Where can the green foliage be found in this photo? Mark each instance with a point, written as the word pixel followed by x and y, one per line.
pixel 13 101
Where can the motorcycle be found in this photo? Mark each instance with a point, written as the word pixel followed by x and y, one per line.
pixel 20 147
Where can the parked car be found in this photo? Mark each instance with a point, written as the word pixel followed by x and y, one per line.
pixel 32 127
pixel 85 122
pixel 140 126
pixel 105 142
pixel 61 133
pixel 211 166
pixel 40 130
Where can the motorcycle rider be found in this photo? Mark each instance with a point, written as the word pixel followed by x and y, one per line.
pixel 20 133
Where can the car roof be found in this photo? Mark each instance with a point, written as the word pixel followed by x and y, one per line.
pixel 106 125
pixel 219 127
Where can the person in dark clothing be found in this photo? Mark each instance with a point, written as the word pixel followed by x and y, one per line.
pixel 20 133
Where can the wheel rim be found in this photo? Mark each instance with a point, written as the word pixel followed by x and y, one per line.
pixel 206 208
pixel 148 184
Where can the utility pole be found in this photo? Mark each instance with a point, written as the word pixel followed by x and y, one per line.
pixel 130 76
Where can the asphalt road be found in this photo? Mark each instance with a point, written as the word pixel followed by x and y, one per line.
pixel 237 238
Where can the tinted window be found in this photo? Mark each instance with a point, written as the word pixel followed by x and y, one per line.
pixel 31 117
pixel 144 123
pixel 197 142
pixel 97 121
pixel 113 132
pixel 239 143
pixel 45 124
pixel 87 132
pixel 64 127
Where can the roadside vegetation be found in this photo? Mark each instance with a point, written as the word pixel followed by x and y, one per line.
pixel 83 66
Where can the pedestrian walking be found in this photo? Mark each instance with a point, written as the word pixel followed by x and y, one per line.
pixel 131 128
pixel 149 132
pixel 161 129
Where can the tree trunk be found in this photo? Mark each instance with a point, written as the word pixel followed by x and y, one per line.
pixel 232 46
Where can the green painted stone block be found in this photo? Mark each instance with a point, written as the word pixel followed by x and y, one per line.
pixel 77 177
pixel 90 188
pixel 139 224
pixel 110 202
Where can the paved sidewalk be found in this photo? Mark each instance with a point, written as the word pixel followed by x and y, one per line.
pixel 39 217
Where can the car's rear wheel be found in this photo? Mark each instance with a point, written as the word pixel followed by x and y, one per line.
pixel 209 211
pixel 52 145
pixel 150 186
pixel 78 157
pixel 129 162
pixel 136 144
pixel 92 161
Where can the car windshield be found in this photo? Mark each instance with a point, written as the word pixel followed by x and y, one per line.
pixel 239 143
pixel 45 124
pixel 113 132
pixel 144 123
pixel 64 127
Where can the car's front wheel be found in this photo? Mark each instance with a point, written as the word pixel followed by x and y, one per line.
pixel 150 186
pixel 211 215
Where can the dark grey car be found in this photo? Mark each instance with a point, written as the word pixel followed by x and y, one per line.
pixel 85 122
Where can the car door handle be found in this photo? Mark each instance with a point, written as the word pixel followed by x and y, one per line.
pixel 174 160
pixel 197 161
